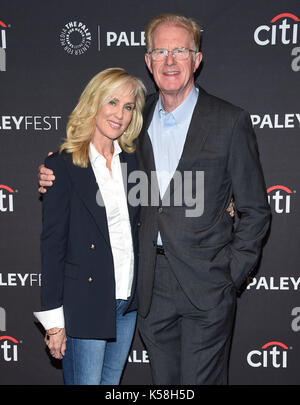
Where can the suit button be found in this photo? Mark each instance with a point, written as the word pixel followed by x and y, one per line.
pixel 160 210
pixel 90 279
pixel 93 246
pixel 139 224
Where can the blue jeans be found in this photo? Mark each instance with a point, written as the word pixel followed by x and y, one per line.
pixel 100 362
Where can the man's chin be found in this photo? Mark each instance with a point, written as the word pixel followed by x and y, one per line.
pixel 170 90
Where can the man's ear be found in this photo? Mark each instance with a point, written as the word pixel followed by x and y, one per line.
pixel 148 61
pixel 198 59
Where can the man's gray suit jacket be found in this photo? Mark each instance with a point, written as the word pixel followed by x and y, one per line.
pixel 208 253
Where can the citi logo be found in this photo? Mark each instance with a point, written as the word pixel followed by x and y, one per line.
pixel 3 27
pixel 8 344
pixel 280 198
pixel 6 198
pixel 272 354
pixel 285 32
pixel 9 347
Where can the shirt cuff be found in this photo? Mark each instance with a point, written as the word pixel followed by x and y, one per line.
pixel 53 318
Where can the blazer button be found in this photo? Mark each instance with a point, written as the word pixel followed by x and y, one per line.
pixel 90 279
pixel 93 246
pixel 139 224
pixel 160 210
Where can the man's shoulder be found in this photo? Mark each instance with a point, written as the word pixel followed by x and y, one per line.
pixel 211 100
pixel 128 157
pixel 218 103
pixel 151 98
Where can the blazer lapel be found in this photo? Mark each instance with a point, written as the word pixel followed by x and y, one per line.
pixel 128 164
pixel 87 188
pixel 145 151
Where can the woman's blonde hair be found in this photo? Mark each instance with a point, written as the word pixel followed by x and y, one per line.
pixel 82 121
pixel 173 19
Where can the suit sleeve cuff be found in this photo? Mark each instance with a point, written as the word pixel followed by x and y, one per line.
pixel 53 318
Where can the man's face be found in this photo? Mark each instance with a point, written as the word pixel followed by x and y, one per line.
pixel 170 75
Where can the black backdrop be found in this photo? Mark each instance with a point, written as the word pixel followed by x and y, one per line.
pixel 49 51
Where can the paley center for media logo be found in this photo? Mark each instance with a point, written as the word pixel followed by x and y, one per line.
pixel 283 29
pixel 8 344
pixel 272 354
pixel 7 198
pixel 75 38
pixel 279 198
pixel 3 28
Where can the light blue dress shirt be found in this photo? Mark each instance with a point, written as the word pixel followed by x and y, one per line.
pixel 167 132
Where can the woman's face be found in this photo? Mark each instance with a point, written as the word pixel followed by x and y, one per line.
pixel 115 115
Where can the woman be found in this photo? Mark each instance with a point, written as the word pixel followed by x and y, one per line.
pixel 88 243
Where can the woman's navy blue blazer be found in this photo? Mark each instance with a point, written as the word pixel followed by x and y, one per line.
pixel 77 261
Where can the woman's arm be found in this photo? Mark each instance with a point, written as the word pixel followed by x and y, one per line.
pixel 55 230
pixel 55 218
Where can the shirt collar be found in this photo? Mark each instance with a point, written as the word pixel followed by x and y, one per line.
pixel 94 155
pixel 181 112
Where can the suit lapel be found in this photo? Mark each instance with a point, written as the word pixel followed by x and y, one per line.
pixel 197 133
pixel 144 143
pixel 145 152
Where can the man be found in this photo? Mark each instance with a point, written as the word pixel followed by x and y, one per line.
pixel 190 266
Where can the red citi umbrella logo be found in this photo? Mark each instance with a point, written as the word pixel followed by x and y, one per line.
pixel 283 30
pixel 272 354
